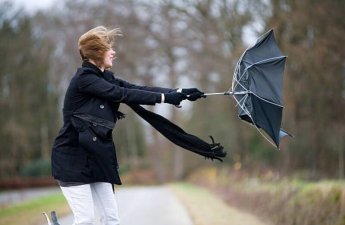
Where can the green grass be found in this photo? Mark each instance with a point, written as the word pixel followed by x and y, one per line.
pixel 206 208
pixel 30 212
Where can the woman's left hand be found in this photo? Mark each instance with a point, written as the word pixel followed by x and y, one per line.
pixel 193 94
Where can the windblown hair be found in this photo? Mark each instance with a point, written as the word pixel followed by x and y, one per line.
pixel 96 42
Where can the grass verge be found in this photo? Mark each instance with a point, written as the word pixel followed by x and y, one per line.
pixel 206 208
pixel 284 201
pixel 30 212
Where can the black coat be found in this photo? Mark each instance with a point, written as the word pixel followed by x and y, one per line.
pixel 84 151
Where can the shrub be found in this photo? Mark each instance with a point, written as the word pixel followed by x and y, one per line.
pixel 282 202
pixel 37 168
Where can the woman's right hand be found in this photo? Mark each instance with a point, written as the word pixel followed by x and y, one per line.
pixel 174 98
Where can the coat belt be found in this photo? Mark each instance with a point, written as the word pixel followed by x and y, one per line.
pixel 95 120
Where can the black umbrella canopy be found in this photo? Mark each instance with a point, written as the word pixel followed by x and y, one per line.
pixel 257 86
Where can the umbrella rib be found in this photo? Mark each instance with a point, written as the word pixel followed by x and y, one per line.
pixel 235 80
pixel 243 100
pixel 250 92
pixel 259 62
pixel 238 83
pixel 238 102
pixel 265 137
pixel 273 103
pixel 256 63
pixel 237 68
pixel 267 60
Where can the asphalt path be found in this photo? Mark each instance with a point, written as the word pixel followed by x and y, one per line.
pixel 153 205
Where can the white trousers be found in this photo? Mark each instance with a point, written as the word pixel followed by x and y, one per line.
pixel 85 199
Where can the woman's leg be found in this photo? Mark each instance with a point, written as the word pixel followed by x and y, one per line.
pixel 105 203
pixel 80 201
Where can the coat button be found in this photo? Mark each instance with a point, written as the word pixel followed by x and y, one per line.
pixel 94 138
pixel 101 106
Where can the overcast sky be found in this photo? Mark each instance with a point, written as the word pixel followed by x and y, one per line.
pixel 32 5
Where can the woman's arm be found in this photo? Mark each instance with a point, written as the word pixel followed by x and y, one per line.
pixel 192 93
pixel 129 85
pixel 94 85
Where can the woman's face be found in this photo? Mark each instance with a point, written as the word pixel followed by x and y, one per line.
pixel 109 57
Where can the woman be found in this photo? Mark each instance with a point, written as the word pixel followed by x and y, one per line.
pixel 83 157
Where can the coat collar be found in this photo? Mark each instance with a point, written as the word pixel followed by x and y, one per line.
pixel 94 68
pixel 107 74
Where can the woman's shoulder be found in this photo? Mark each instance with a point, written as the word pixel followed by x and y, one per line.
pixel 113 77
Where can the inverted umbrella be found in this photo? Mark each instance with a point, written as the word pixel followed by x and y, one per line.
pixel 257 87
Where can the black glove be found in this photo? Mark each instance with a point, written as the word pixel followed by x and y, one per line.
pixel 174 98
pixel 193 93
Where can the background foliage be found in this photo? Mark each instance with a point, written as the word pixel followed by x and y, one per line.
pixel 179 44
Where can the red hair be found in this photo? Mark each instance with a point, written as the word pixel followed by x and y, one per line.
pixel 96 42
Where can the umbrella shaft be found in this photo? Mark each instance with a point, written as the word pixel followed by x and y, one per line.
pixel 218 93
pixel 227 93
